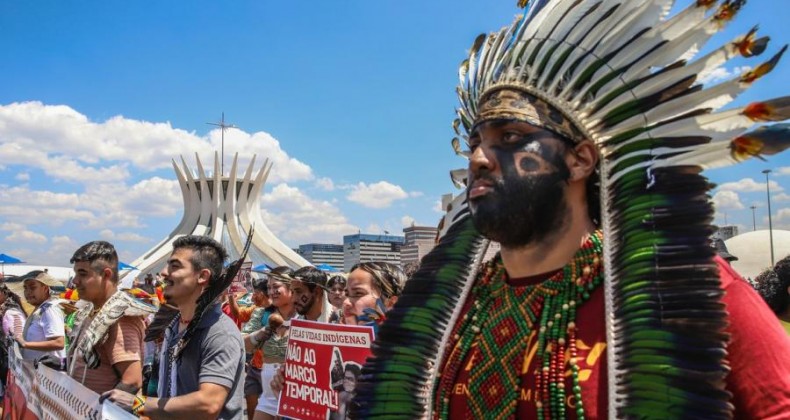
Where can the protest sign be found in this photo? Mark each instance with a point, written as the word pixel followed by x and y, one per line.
pixel 322 364
pixel 242 281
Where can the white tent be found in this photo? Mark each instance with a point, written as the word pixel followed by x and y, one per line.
pixel 754 251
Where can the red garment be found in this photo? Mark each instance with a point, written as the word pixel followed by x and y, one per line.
pixel 759 352
pixel 759 356
pixel 590 344
pixel 226 311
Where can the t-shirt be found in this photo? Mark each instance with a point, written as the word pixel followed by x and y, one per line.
pixel 215 354
pixel 226 310
pixel 45 323
pixel 758 354
pixel 124 343
pixel 255 318
pixel 13 322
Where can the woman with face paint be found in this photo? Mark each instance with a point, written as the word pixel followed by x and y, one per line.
pixel 372 289
pixel 273 342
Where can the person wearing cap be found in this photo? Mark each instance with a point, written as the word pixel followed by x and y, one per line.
pixel 44 333
pixel 107 350
pixel 310 297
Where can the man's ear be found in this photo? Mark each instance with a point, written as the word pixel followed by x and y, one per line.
pixel 204 276
pixel 583 161
pixel 106 273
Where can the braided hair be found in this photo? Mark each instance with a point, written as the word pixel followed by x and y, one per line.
pixel 388 278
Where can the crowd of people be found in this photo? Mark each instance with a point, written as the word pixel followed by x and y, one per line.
pixel 215 359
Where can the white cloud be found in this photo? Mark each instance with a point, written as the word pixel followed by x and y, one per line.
pixel 719 74
pixel 377 196
pixel 783 170
pixel 416 194
pixel 781 219
pixel 11 226
pixel 325 184
pixel 67 146
pixel 724 200
pixel 22 176
pixel 780 197
pixel 373 229
pixel 407 221
pixel 296 218
pixel 437 206
pixel 26 236
pixel 749 185
pixel 109 235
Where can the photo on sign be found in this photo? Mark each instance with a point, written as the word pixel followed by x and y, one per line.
pixel 344 381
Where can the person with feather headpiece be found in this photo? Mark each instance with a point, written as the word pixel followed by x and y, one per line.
pixel 106 348
pixel 202 360
pixel 587 129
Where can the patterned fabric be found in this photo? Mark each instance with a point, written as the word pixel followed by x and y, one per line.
pixel 119 305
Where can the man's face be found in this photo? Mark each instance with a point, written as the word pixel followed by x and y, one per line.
pixel 36 292
pixel 182 282
pixel 304 299
pixel 517 180
pixel 90 284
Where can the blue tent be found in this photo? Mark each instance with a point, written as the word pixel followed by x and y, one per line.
pixel 262 267
pixel 7 259
pixel 327 267
pixel 123 266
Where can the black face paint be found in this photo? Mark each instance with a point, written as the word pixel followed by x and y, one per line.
pixel 523 208
pixel 529 164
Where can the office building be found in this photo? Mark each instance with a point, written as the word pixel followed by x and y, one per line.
pixel 364 247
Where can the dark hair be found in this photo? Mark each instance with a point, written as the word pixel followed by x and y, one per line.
pixel 772 285
pixel 311 277
pixel 283 274
pixel 206 253
pixel 336 279
pixel 353 368
pixel 387 278
pixel 11 297
pixel 261 286
pixel 100 255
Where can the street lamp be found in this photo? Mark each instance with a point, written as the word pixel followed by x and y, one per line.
pixel 754 220
pixel 770 224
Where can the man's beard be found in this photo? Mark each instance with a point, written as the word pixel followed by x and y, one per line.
pixel 303 309
pixel 521 210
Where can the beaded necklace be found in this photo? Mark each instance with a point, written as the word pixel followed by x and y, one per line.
pixel 551 308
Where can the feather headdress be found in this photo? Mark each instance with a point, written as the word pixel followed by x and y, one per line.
pixel 623 74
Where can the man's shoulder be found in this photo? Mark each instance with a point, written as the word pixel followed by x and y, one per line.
pixel 223 327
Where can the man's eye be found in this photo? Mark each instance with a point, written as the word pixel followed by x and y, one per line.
pixel 512 137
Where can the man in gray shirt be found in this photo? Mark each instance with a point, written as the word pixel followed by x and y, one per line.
pixel 202 360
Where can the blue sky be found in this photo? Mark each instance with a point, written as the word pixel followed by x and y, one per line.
pixel 352 101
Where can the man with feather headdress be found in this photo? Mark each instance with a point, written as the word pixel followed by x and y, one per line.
pixel 202 360
pixel 587 131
